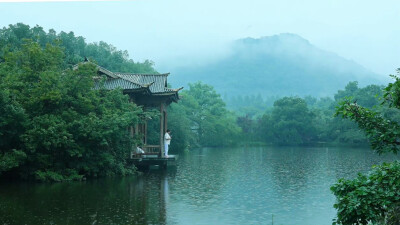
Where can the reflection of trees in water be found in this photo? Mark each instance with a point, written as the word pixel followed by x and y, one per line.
pixel 139 200
pixel 202 175
pixel 290 169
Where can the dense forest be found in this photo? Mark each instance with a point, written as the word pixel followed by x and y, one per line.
pixel 276 120
pixel 308 120
pixel 53 124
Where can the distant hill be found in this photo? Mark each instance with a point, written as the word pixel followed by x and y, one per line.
pixel 279 65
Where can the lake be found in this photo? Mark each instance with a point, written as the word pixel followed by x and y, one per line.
pixel 246 185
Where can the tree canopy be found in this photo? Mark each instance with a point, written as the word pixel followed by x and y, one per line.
pixel 75 48
pixel 54 125
pixel 202 119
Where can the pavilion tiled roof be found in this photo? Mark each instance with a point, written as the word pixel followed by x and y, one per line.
pixel 115 83
pixel 155 84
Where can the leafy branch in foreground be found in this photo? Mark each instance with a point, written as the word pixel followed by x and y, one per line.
pixel 383 134
pixel 373 198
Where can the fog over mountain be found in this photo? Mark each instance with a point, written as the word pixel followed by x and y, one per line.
pixel 279 65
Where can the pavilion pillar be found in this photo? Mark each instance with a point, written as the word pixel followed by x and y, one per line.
pixel 132 132
pixel 162 129
pixel 136 129
pixel 165 119
pixel 145 132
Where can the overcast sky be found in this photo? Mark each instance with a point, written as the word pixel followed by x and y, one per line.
pixel 172 32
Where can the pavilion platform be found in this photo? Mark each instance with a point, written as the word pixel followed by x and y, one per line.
pixel 148 161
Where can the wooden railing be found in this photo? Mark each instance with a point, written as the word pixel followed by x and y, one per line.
pixel 152 148
pixel 149 150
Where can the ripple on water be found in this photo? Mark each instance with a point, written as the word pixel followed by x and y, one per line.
pixel 209 186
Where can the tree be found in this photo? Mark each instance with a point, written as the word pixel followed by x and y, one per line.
pixel 374 198
pixel 349 90
pixel 201 119
pixel 345 131
pixel 247 125
pixel 291 122
pixel 56 126
pixel 180 124
pixel 12 125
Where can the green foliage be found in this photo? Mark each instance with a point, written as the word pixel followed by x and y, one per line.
pixel 11 159
pixel 295 120
pixel 372 198
pixel 201 119
pixel 290 122
pixel 55 176
pixel 180 124
pixel 345 131
pixel 74 48
pixel 13 121
pixel 392 92
pixel 56 126
pixel 248 126
pixel 367 96
pixel 382 133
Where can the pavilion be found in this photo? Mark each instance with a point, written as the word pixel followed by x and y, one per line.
pixel 147 90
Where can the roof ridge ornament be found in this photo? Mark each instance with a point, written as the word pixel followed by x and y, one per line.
pixel 178 89
pixel 149 84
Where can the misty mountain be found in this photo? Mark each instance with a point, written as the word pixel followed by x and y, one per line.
pixel 278 65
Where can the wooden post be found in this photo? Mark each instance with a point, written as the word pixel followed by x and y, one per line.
pixel 162 130
pixel 136 129
pixel 145 132
pixel 165 119
pixel 132 132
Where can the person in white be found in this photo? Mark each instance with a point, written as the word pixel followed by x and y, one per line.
pixel 167 141
pixel 139 150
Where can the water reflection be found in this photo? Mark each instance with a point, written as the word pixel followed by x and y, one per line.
pixel 141 200
pixel 209 186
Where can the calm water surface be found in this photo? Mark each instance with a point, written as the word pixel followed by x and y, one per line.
pixel 208 186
